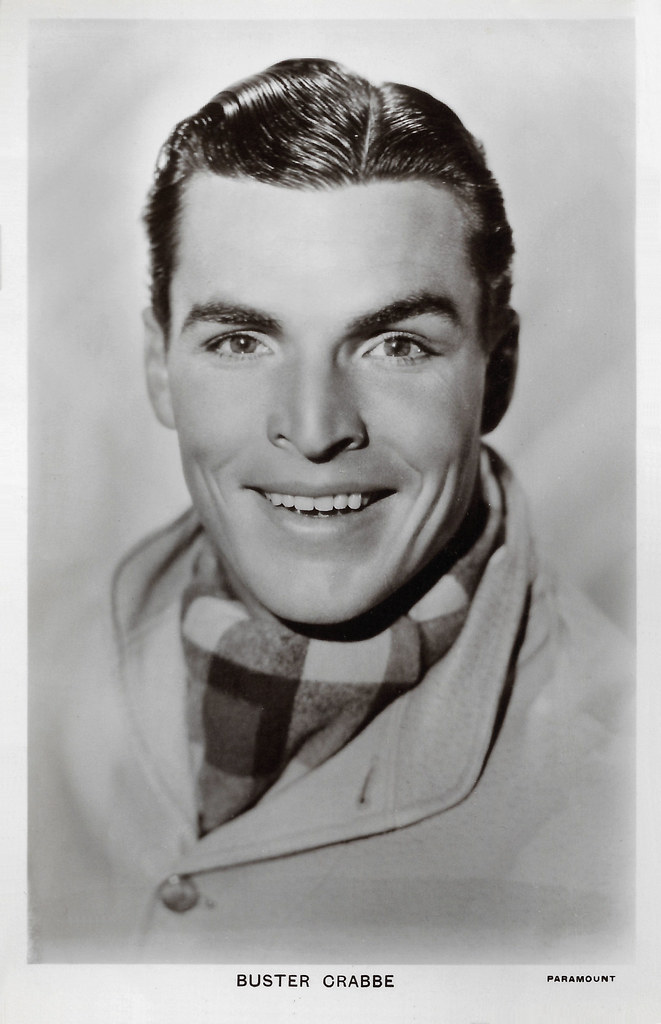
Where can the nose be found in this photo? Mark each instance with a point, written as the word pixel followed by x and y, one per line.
pixel 315 412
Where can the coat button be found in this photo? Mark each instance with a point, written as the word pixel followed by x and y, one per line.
pixel 178 893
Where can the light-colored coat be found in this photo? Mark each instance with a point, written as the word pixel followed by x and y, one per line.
pixel 483 817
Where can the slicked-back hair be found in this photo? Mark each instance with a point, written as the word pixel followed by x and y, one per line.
pixel 313 124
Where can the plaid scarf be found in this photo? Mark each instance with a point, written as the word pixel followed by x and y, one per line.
pixel 263 698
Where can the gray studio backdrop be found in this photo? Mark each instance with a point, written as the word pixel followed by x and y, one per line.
pixel 553 104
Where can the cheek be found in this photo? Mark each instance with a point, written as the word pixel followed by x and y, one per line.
pixel 433 423
pixel 214 419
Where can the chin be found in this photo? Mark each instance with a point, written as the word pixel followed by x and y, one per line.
pixel 312 613
pixel 310 610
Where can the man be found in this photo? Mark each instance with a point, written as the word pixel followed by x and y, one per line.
pixel 352 718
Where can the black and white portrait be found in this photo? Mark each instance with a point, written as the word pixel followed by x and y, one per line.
pixel 332 478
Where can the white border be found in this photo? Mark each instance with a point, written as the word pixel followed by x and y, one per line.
pixel 166 994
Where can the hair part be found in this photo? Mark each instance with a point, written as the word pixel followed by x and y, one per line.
pixel 313 124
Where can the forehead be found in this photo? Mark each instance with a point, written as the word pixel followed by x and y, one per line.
pixel 341 250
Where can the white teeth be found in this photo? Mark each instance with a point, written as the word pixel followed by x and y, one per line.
pixel 323 503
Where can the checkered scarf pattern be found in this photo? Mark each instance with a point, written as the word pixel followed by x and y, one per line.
pixel 263 698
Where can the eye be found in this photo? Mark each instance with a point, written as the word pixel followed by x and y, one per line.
pixel 400 348
pixel 239 345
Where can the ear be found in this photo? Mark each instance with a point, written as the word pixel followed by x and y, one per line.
pixel 500 374
pixel 156 369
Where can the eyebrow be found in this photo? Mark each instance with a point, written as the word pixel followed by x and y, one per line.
pixel 229 313
pixel 417 304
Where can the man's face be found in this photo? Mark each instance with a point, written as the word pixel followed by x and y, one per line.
pixel 325 376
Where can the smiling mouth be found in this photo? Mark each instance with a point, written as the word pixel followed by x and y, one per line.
pixel 324 506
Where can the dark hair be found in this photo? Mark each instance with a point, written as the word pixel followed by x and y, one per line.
pixel 313 124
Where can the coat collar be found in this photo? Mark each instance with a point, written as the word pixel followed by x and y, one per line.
pixel 423 754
